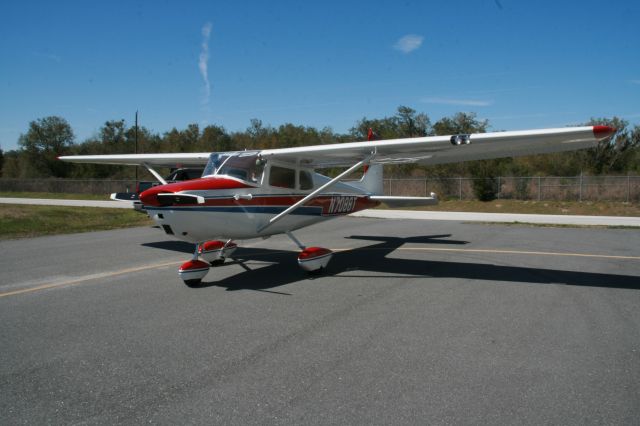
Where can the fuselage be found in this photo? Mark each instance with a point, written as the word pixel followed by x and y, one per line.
pixel 236 204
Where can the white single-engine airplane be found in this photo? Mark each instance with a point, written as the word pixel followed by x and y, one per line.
pixel 250 194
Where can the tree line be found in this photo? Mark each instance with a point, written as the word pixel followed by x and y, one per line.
pixel 49 137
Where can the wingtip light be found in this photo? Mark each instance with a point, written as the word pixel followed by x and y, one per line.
pixel 601 132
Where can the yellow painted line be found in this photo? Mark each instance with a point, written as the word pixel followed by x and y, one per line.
pixel 76 281
pixel 494 251
pixel 79 280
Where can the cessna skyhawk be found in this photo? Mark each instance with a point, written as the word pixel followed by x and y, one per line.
pixel 251 194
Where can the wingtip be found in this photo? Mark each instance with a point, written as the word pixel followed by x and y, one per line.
pixel 602 132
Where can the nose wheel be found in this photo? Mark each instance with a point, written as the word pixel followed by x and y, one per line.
pixel 193 271
pixel 213 253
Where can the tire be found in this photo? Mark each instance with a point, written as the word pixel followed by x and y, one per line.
pixel 217 262
pixel 192 283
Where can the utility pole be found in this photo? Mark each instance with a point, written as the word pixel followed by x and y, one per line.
pixel 135 137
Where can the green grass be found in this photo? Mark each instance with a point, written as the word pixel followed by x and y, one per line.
pixel 22 221
pixel 588 208
pixel 54 195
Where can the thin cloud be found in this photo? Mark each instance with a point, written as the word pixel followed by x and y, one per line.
pixel 409 43
pixel 520 116
pixel 49 56
pixel 203 62
pixel 458 102
pixel 533 115
pixel 634 81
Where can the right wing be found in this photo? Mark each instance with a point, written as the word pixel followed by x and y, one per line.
pixel 181 159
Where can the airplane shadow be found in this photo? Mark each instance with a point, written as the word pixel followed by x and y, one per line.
pixel 173 245
pixel 282 267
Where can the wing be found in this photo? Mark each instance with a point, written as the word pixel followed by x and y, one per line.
pixel 446 149
pixel 427 150
pixel 161 160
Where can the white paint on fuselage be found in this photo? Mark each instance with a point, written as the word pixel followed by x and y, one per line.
pixel 203 223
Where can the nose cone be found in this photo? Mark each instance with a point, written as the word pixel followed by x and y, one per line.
pixel 149 197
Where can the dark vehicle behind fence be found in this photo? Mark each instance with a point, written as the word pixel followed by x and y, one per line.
pixel 176 175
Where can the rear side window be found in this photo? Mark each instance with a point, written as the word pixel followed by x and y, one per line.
pixel 282 177
pixel 306 180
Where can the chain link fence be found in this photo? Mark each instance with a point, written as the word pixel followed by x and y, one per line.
pixel 548 188
pixel 576 188
pixel 71 186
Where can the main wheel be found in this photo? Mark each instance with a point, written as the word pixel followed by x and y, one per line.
pixel 217 262
pixel 193 283
pixel 314 273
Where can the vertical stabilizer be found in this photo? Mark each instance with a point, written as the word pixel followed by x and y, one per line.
pixel 371 180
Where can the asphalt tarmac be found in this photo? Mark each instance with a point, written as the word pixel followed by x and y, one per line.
pixel 413 322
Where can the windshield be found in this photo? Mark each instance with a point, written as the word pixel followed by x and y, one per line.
pixel 215 160
pixel 247 166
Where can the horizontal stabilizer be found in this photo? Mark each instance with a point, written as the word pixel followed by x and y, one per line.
pixel 406 201
pixel 171 199
pixel 124 196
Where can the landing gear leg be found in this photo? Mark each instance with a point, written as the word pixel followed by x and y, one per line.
pixel 311 259
pixel 215 252
pixel 295 240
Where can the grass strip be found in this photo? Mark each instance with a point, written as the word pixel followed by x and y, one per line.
pixel 587 208
pixel 22 221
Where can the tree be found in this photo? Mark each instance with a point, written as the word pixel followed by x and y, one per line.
pixel 634 160
pixel 613 154
pixel 190 136
pixel 1 161
pixel 406 123
pixel 46 139
pixel 214 138
pixel 411 124
pixel 460 123
pixel 182 140
pixel 112 135
pixel 11 166
pixel 484 172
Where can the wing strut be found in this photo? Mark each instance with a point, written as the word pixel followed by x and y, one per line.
pixel 154 173
pixel 314 193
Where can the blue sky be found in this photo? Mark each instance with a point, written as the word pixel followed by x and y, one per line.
pixel 519 64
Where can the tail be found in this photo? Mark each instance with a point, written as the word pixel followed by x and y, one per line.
pixel 372 180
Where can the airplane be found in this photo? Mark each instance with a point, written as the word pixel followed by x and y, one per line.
pixel 257 194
